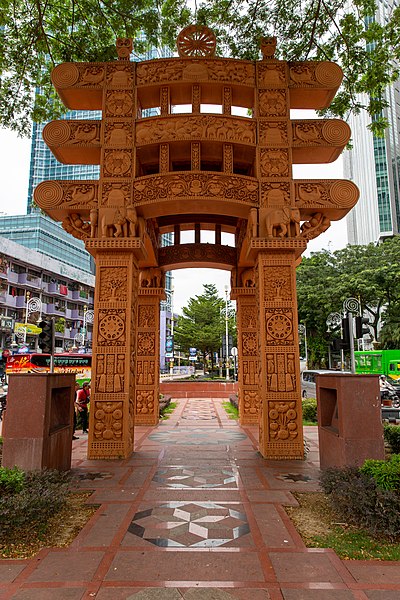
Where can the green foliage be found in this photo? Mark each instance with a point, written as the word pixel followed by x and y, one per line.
pixel 37 35
pixel 369 273
pixel 360 501
pixel 167 410
pixel 203 323
pixel 385 472
pixel 42 494
pixel 11 480
pixel 60 325
pixel 309 410
pixel 391 433
pixel 355 544
pixel 231 411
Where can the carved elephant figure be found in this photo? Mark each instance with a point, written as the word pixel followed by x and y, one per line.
pixel 295 222
pixel 277 221
pixel 112 221
pixel 248 278
pixel 151 277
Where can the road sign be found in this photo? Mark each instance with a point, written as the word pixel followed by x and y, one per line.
pixel 234 351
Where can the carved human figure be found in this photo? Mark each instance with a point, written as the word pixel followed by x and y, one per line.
pixel 94 213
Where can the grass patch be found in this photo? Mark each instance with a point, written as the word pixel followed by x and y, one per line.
pixel 231 410
pixel 165 412
pixel 320 527
pixel 59 531
pixel 310 423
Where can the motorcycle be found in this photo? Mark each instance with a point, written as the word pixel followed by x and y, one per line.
pixel 392 396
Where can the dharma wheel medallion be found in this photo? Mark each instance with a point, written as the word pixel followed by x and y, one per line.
pixel 196 41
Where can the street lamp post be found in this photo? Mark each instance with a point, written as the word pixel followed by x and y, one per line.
pixel 303 331
pixel 88 317
pixel 334 320
pixel 32 305
pixel 350 306
pixel 226 333
pixel 171 363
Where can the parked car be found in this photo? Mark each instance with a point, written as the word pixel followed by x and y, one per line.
pixel 308 383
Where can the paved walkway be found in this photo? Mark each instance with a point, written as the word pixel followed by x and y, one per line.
pixel 195 513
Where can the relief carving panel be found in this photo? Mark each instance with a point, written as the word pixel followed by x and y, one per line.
pixel 108 420
pixel 232 187
pixel 282 420
pixel 278 284
pixel 110 373
pixel 113 284
pixel 281 372
pixel 279 327
pixel 111 330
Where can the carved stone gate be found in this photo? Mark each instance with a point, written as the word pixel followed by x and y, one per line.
pixel 199 170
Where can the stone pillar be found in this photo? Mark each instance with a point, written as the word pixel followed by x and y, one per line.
pixel 114 336
pixel 147 368
pixel 248 354
pixel 281 431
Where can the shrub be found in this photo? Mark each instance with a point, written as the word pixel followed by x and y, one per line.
pixel 310 409
pixel 391 433
pixel 386 473
pixel 43 494
pixel 359 501
pixel 11 480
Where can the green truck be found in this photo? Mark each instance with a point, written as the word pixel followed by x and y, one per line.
pixel 380 362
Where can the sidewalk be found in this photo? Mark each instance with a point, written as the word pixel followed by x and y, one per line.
pixel 195 513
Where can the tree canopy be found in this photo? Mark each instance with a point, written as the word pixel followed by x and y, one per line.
pixel 371 274
pixel 37 35
pixel 202 324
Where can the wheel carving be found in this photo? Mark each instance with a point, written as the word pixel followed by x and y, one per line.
pixel 196 41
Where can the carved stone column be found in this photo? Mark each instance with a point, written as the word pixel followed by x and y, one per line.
pixel 248 354
pixel 281 431
pixel 111 405
pixel 147 368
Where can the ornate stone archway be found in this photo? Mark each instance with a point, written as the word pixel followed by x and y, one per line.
pixel 216 171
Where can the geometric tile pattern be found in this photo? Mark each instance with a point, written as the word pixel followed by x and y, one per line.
pixel 189 525
pixel 90 476
pixel 199 478
pixel 202 436
pixel 199 410
pixel 296 477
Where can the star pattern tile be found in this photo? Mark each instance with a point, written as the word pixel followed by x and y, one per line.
pixel 296 477
pixel 190 525
pixel 188 478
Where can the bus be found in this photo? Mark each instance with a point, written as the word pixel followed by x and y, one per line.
pixel 380 362
pixel 79 364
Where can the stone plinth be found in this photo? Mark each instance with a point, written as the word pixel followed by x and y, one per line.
pixel 37 432
pixel 349 419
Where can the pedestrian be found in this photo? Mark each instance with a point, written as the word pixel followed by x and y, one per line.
pixel 77 387
pixel 83 399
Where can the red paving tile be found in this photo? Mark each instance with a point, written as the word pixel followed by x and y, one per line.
pixel 195 513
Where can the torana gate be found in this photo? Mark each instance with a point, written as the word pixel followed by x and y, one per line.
pixel 196 171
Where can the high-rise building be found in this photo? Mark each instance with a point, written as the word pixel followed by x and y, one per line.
pixel 374 165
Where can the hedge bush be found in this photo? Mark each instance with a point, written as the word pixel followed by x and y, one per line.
pixel 11 480
pixel 360 501
pixel 310 409
pixel 385 472
pixel 41 495
pixel 391 433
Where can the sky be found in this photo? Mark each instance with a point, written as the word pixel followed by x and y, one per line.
pixel 187 283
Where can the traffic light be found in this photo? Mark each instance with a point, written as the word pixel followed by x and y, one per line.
pixel 345 333
pixel 360 330
pixel 46 337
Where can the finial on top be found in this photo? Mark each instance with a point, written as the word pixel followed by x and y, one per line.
pixel 268 47
pixel 196 41
pixel 124 48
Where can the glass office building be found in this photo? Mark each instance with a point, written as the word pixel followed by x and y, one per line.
pixel 38 232
pixel 374 165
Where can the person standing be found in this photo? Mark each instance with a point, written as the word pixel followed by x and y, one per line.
pixel 77 388
pixel 82 400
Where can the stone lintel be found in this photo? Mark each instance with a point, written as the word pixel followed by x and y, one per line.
pixel 242 291
pixel 153 292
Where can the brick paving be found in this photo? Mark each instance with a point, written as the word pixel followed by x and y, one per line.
pixel 195 513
